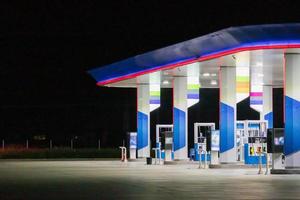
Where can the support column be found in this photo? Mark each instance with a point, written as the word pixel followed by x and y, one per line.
pixel 267 113
pixel 180 117
pixel 143 121
pixel 292 111
pixel 227 114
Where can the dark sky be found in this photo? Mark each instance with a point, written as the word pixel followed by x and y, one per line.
pixel 47 46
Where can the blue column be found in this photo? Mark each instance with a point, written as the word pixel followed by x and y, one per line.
pixel 227 114
pixel 180 117
pixel 143 121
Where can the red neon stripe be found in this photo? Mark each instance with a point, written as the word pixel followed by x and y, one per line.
pixel 204 58
pixel 256 94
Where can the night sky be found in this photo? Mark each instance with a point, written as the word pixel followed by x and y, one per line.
pixel 47 47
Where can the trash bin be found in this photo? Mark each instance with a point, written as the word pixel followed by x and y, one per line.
pixel 149 161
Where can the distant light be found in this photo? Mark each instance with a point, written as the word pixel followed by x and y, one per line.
pixel 260 75
pixel 165 82
pixel 206 74
pixel 213 74
pixel 259 64
pixel 213 82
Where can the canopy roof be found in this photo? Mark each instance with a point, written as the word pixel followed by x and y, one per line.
pixel 217 44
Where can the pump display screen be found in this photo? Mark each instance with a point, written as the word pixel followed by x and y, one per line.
pixel 279 141
pixel 275 140
pixel 215 140
pixel 201 139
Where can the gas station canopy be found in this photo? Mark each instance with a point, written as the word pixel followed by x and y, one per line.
pixel 264 45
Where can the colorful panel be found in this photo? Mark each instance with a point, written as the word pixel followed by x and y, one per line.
pixel 193 87
pixel 242 86
pixel 154 96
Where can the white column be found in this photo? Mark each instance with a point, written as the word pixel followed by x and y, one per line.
pixel 227 114
pixel 180 117
pixel 143 121
pixel 267 113
pixel 292 111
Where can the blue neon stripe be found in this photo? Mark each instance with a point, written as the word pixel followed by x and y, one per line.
pixel 193 96
pixel 240 126
pixel 256 102
pixel 154 101
pixel 292 126
pixel 142 130
pixel 179 128
pixel 226 127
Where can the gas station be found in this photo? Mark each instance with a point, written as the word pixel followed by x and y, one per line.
pixel 247 61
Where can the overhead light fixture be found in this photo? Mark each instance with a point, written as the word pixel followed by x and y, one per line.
pixel 213 74
pixel 206 74
pixel 213 82
pixel 259 64
pixel 260 75
pixel 165 82
pixel 166 73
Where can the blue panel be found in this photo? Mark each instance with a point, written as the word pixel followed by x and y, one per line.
pixel 252 160
pixel 269 118
pixel 253 125
pixel 179 129
pixel 207 45
pixel 226 128
pixel 240 125
pixel 142 131
pixel 292 126
pixel 163 155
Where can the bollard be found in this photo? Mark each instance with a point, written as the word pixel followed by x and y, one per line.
pixel 260 164
pixel 50 144
pixel 200 158
pixel 160 154
pixel 123 154
pixel 3 145
pixel 71 143
pixel 267 163
pixel 202 165
pixel 99 144
pixel 155 152
pixel 205 159
pixel 27 144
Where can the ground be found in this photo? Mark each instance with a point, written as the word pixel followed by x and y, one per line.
pixel 135 180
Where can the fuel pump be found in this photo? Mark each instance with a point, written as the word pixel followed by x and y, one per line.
pixel 163 142
pixel 275 143
pixel 202 140
pixel 256 145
